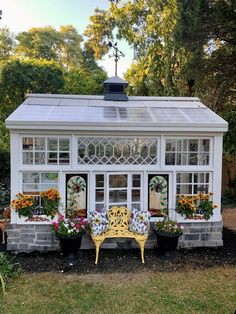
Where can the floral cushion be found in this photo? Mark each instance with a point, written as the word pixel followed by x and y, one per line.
pixel 139 221
pixel 98 222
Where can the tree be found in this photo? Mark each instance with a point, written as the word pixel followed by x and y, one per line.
pixel 148 26
pixel 84 82
pixel 7 43
pixel 207 30
pixel 63 46
pixel 19 78
pixel 71 52
pixel 39 43
pixel 99 31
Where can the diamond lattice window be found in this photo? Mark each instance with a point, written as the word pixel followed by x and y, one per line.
pixel 118 150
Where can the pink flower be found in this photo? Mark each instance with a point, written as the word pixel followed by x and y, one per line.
pixel 55 225
pixel 60 218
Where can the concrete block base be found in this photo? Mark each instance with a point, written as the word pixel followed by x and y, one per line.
pixel 28 238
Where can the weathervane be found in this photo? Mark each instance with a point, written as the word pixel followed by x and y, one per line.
pixel 116 54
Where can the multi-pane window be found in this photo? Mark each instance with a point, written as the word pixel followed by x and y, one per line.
pixel 117 190
pixel 46 151
pixel 192 182
pixel 117 150
pixel 187 152
pixel 34 182
pixel 100 191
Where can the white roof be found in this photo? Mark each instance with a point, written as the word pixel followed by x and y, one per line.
pixel 78 112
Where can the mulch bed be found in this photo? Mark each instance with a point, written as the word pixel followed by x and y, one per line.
pixel 119 261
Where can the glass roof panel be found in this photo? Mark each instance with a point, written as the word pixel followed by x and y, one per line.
pixel 168 115
pixel 101 114
pixel 200 115
pixel 134 114
pixel 94 110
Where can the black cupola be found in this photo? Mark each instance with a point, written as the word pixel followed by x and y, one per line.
pixel 115 89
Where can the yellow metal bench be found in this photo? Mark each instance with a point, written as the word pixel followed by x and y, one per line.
pixel 118 228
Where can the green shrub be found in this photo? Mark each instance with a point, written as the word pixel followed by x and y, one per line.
pixel 8 269
pixel 4 198
pixel 4 165
pixel 228 199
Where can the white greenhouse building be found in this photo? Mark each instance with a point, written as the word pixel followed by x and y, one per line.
pixel 117 146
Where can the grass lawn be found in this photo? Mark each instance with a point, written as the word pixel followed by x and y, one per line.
pixel 207 291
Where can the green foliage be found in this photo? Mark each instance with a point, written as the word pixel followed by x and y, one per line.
pixel 229 199
pixel 4 164
pixel 63 46
pixel 72 226
pixel 99 31
pixel 70 53
pixel 195 206
pixel 84 82
pixel 3 284
pixel 39 43
pixel 168 226
pixel 8 269
pixel 148 26
pixel 207 30
pixel 7 43
pixel 37 76
pixel 4 197
pixel 23 205
pixel 230 137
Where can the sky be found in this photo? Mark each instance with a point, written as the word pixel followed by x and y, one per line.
pixel 21 15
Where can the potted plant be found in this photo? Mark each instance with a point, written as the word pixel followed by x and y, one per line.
pixel 168 232
pixel 198 206
pixel 69 232
pixel 23 205
pixel 50 202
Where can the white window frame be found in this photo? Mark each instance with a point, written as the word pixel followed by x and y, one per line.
pixel 46 165
pixel 165 138
pixel 129 188
pixel 156 138
pixel 192 183
pixel 179 217
pixel 22 220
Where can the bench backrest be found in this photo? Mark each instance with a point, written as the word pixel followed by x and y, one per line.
pixel 118 218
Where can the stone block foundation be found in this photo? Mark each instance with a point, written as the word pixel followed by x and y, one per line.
pixel 28 238
pixel 201 234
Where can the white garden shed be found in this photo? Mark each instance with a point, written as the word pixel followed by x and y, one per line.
pixel 117 147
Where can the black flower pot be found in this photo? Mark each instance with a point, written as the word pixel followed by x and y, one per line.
pixel 70 245
pixel 167 242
